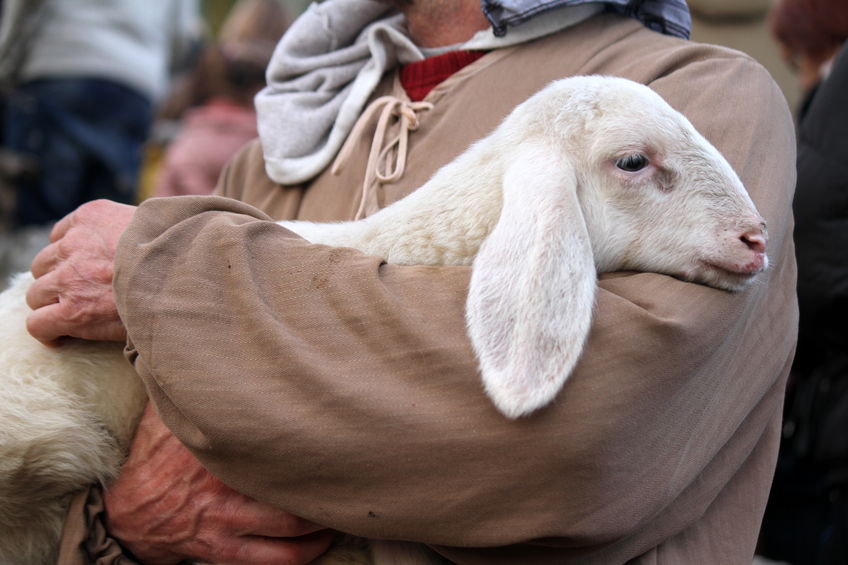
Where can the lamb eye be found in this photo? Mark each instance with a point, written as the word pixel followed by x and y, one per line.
pixel 632 163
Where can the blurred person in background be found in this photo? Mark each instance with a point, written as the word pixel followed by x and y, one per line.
pixel 219 92
pixel 806 521
pixel 81 81
pixel 810 34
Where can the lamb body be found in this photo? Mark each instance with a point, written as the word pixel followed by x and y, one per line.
pixel 590 174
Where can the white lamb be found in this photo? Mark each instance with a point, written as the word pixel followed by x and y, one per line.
pixel 590 174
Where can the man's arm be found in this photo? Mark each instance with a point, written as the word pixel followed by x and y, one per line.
pixel 166 508
pixel 345 390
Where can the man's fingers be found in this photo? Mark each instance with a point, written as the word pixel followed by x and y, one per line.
pixel 45 261
pixel 75 272
pixel 50 323
pixel 265 520
pixel 74 301
pixel 43 292
pixel 47 324
pixel 256 550
pixel 61 227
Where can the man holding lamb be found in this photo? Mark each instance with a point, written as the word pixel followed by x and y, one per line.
pixel 339 391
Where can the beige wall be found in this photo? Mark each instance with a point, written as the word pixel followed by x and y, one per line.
pixel 742 25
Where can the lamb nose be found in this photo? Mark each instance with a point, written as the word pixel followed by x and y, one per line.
pixel 755 239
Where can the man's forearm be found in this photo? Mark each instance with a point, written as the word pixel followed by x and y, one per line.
pixel 327 375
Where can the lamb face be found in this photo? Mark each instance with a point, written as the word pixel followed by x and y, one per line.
pixel 602 174
pixel 657 196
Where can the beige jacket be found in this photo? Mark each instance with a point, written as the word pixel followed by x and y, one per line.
pixel 344 390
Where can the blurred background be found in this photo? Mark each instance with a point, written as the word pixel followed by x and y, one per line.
pixel 122 99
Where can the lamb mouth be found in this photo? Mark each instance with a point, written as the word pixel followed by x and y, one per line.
pixel 729 279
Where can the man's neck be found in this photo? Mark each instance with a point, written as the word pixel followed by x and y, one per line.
pixel 438 23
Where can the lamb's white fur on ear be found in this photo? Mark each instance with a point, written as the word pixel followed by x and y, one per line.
pixel 533 283
pixel 591 173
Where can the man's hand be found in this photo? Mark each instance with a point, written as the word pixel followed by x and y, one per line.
pixel 165 508
pixel 72 295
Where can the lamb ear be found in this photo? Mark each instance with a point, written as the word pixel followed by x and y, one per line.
pixel 533 284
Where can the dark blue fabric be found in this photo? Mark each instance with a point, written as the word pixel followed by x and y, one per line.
pixel 87 137
pixel 670 17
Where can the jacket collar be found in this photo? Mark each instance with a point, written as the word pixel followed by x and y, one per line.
pixel 670 17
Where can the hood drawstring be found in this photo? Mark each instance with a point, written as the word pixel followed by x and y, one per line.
pixel 386 161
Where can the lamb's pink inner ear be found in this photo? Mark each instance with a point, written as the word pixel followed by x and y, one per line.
pixel 533 284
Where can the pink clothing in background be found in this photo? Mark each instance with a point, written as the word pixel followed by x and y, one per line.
pixel 209 136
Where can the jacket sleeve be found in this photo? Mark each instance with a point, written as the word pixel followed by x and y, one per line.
pixel 85 540
pixel 345 390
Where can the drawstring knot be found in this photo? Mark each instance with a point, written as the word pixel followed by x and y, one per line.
pixel 386 161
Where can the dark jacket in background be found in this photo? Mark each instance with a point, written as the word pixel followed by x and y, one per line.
pixel 807 518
